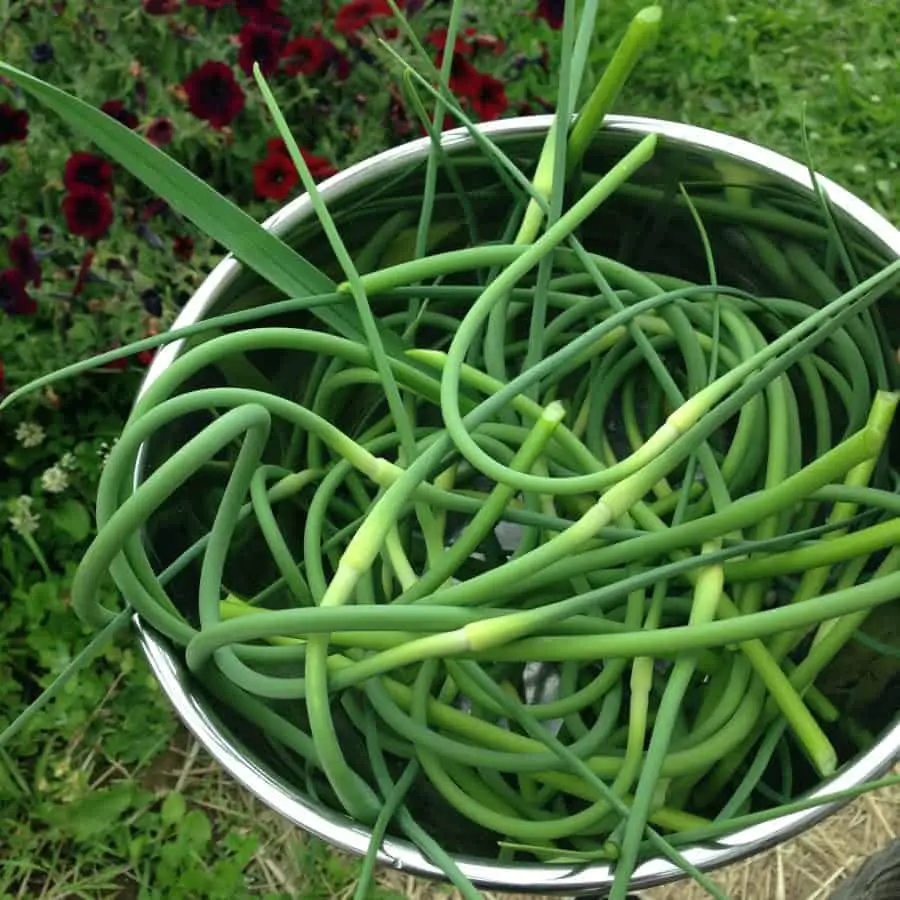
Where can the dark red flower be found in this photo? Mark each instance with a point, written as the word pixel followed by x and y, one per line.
pixel 116 365
pixel 160 132
pixel 448 123
pixel 551 11
pixel 399 120
pixel 489 100
pixel 464 77
pixel 183 247
pixel 155 207
pixel 214 94
pixel 274 177
pixel 14 299
pixel 22 257
pixel 261 44
pixel 277 147
pixel 145 357
pixel 210 4
pixel 13 124
pixel 160 7
pixel 356 14
pixel 118 111
pixel 438 39
pixel 88 170
pixel 307 55
pixel 319 167
pixel 259 10
pixel 81 279
pixel 88 212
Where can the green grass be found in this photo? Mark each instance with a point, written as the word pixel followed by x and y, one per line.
pixel 749 68
pixel 120 805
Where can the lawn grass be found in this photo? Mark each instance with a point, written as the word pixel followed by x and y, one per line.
pixel 95 815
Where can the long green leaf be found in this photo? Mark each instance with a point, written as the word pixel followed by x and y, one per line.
pixel 212 213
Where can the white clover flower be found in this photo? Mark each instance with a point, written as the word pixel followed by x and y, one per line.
pixel 55 480
pixel 30 434
pixel 848 67
pixel 24 520
pixel 860 168
pixel 68 462
pixel 731 20
pixel 104 449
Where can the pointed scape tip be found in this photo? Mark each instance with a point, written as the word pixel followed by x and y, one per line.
pixel 650 15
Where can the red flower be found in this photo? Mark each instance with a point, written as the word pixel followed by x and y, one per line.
pixel 22 257
pixel 116 365
pixel 489 100
pixel 13 124
pixel 307 56
pixel 214 94
pixel 551 11
pixel 274 177
pixel 152 208
pixel 87 170
pixel 160 132
pixel 319 167
pixel 259 10
pixel 81 278
pixel 397 115
pixel 356 14
pixel 14 299
pixel 160 7
pixel 117 110
pixel 183 247
pixel 88 212
pixel 260 44
pixel 438 39
pixel 448 123
pixel 464 77
pixel 277 147
pixel 145 357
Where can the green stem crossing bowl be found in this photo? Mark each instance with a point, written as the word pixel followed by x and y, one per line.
pixel 712 165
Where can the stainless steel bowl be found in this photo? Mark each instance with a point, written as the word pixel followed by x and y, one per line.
pixel 685 153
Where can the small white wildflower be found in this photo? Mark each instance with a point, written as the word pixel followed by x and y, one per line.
pixel 875 98
pixel 848 67
pixel 24 519
pixel 731 20
pixel 825 78
pixel 30 434
pixel 104 449
pixel 54 480
pixel 68 462
pixel 860 168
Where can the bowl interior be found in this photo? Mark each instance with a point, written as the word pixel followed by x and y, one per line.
pixel 646 225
